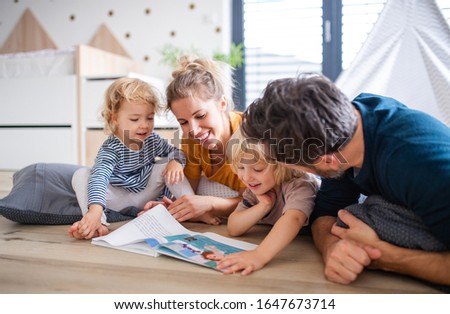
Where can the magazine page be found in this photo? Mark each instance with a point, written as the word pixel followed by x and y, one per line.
pixel 198 248
pixel 138 247
pixel 156 222
pixel 246 246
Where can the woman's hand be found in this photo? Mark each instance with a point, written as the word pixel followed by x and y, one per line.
pixel 149 205
pixel 189 207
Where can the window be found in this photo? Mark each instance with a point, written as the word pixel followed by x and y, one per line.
pixel 282 39
pixel 286 37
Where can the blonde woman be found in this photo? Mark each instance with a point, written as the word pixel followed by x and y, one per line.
pixel 199 95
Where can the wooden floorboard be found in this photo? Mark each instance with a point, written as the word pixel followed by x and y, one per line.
pixel 43 259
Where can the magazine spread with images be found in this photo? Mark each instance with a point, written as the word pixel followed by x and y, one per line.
pixel 156 232
pixel 197 248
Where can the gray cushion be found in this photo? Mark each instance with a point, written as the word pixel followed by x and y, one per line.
pixel 395 224
pixel 42 194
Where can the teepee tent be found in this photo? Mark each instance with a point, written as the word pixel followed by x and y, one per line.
pixel 407 57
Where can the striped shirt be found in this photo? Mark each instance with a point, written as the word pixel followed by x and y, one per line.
pixel 120 166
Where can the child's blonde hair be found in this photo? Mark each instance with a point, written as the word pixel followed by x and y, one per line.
pixel 200 78
pixel 128 89
pixel 238 145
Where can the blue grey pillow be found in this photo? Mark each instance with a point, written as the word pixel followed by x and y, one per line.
pixel 395 224
pixel 42 193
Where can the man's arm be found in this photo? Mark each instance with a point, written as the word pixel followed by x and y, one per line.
pixel 344 259
pixel 430 266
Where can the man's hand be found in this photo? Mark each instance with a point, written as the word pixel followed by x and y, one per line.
pixel 357 230
pixel 345 259
pixel 356 249
pixel 343 255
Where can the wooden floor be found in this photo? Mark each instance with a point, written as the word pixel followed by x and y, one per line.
pixel 43 259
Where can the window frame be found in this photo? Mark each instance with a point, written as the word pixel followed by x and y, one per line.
pixel 331 43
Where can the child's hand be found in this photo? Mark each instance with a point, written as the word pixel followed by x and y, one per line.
pixel 268 199
pixel 91 222
pixel 248 262
pixel 173 172
pixel 73 231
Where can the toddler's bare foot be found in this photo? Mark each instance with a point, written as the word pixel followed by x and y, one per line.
pixel 73 231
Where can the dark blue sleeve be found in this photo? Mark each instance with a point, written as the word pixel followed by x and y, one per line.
pixel 333 195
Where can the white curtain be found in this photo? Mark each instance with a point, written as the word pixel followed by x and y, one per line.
pixel 406 56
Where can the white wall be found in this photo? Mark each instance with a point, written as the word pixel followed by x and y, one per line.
pixel 206 26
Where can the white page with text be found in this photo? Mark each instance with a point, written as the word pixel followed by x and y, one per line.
pixel 156 222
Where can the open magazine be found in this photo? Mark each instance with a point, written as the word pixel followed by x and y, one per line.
pixel 156 232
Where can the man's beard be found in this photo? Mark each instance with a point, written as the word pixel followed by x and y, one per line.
pixel 330 174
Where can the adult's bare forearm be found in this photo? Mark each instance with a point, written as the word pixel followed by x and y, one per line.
pixel 322 236
pixel 344 259
pixel 430 266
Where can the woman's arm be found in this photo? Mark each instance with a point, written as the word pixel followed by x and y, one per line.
pixel 281 234
pixel 192 206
